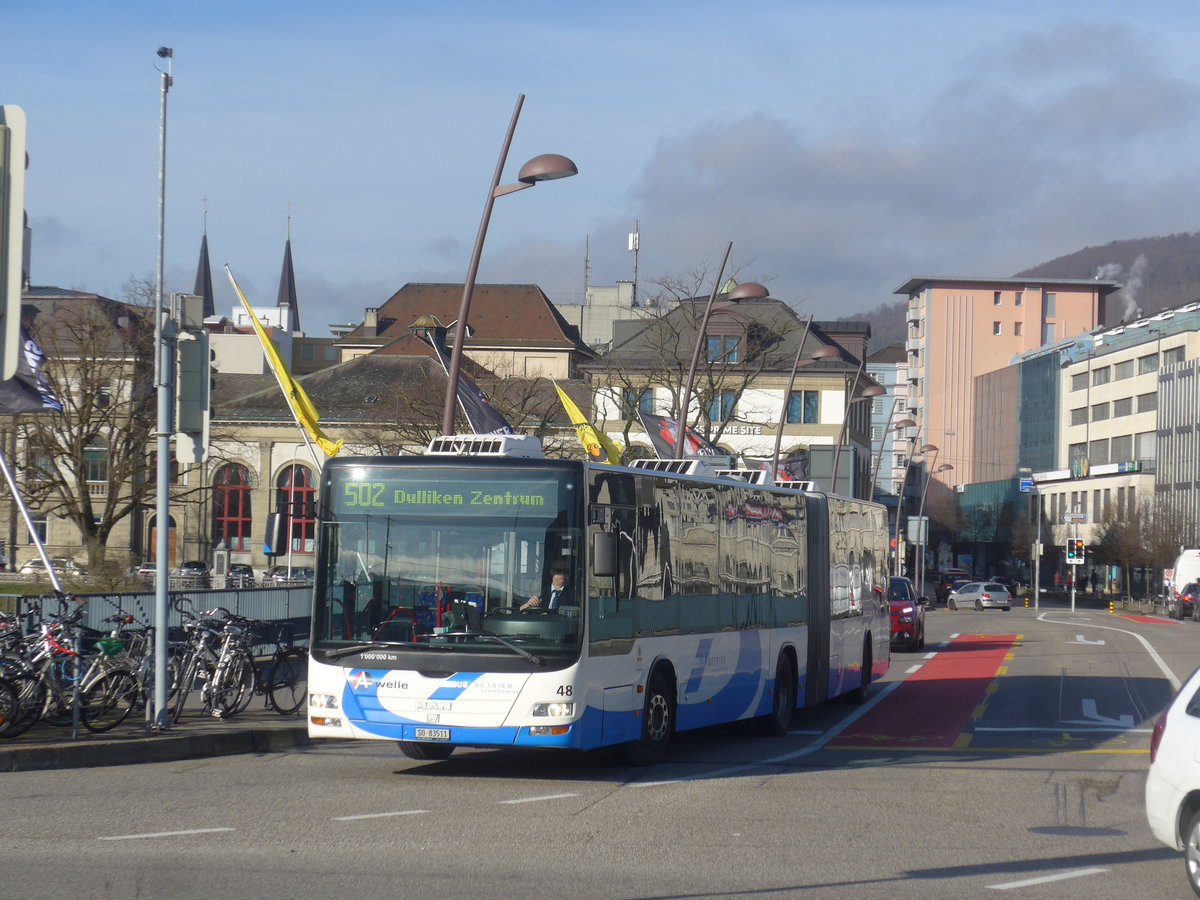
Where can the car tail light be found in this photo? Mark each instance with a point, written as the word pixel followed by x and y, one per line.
pixel 985 596
pixel 1156 736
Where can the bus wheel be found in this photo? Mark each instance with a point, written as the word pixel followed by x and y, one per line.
pixel 859 694
pixel 658 722
pixel 425 750
pixel 784 701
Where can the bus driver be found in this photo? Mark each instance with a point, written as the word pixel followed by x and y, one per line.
pixel 558 590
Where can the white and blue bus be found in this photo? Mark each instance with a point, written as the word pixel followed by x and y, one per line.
pixel 690 600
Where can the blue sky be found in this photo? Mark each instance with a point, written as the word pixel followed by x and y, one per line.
pixel 841 146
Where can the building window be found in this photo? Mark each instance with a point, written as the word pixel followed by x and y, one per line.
pixel 1147 402
pixel 1017 329
pixel 1122 448
pixel 39 526
pixel 308 352
pixel 295 496
pixel 231 507
pixel 1098 452
pixel 1076 452
pixel 172 467
pixel 634 401
pixel 1099 412
pixel 1019 297
pixel 995 298
pixel 803 407
pixel 95 464
pixel 1123 407
pixel 1147 364
pixel 1050 305
pixel 723 348
pixel 876 407
pixel 996 328
pixel 1173 356
pixel 899 461
pixel 1079 382
pixel 1123 370
pixel 1079 416
pixel 1102 375
pixel 876 433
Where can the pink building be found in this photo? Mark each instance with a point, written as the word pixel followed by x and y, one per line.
pixel 959 328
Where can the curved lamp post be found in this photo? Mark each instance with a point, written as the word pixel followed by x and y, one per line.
pixel 749 290
pixel 868 393
pixel 903 423
pixel 922 533
pixel 823 352
pixel 546 167
pixel 912 451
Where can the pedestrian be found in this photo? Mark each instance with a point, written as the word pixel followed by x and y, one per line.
pixel 1058 581
pixel 1095 580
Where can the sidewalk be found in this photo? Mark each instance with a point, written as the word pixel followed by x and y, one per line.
pixel 257 730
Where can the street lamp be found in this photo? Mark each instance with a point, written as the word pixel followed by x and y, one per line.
pixel 749 290
pixel 912 451
pixel 922 532
pixel 903 423
pixel 1036 496
pixel 546 167
pixel 868 393
pixel 823 352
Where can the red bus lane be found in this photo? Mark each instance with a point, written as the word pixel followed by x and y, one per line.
pixel 930 709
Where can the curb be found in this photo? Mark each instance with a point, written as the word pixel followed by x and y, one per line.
pixel 169 747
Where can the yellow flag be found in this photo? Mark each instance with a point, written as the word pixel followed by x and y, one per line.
pixel 302 407
pixel 599 446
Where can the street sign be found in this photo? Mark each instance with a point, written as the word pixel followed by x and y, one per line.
pixel 1075 518
pixel 1026 485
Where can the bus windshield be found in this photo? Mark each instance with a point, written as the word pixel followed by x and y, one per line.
pixel 438 558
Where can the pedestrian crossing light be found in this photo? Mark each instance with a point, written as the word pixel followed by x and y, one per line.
pixel 1076 553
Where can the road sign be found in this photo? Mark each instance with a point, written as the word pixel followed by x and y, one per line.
pixel 1075 518
pixel 1026 485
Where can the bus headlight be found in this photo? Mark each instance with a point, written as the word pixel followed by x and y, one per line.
pixel 322 701
pixel 555 710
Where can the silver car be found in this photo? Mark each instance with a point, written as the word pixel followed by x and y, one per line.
pixel 981 595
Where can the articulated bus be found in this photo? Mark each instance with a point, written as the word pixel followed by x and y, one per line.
pixel 691 599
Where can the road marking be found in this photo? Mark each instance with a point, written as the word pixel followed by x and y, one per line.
pixel 1047 879
pixel 158 834
pixel 1080 639
pixel 1091 716
pixel 1055 729
pixel 382 815
pixel 538 799
pixel 1175 683
pixel 912 669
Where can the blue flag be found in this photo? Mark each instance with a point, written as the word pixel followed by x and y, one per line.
pixel 28 390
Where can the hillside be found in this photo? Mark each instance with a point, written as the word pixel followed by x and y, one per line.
pixel 1157 272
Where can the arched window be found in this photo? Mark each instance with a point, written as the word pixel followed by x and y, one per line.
pixel 232 520
pixel 295 495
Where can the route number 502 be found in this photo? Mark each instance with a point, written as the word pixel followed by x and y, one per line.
pixel 365 493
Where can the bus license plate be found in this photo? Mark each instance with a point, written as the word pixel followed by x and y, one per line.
pixel 431 734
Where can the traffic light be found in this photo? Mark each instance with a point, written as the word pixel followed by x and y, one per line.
pixel 193 396
pixel 12 235
pixel 1076 553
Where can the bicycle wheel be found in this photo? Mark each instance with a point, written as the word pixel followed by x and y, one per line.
pixel 108 701
pixel 31 698
pixel 10 707
pixel 191 670
pixel 287 681
pixel 233 685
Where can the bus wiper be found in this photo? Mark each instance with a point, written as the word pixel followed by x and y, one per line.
pixel 359 648
pixel 487 635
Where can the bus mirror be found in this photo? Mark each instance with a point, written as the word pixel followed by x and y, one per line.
pixel 604 554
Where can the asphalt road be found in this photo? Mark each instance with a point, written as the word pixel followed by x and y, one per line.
pixel 1007 758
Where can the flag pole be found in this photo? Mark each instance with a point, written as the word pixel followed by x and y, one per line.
pixel 33 534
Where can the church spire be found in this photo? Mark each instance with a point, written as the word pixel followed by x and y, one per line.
pixel 287 282
pixel 204 285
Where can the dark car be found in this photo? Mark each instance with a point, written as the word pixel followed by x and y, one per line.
pixel 908 614
pixel 240 575
pixel 946 581
pixel 1185 602
pixel 1007 582
pixel 195 573
pixel 278 575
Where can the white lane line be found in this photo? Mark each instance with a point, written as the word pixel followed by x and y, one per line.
pixel 1175 683
pixel 1073 729
pixel 824 738
pixel 539 799
pixel 1047 879
pixel 912 669
pixel 382 815
pixel 158 834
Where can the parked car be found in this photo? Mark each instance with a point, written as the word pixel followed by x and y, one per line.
pixel 195 573
pixel 982 595
pixel 240 575
pixel 1173 781
pixel 279 575
pixel 908 614
pixel 63 565
pixel 946 580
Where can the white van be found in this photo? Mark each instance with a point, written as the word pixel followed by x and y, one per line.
pixel 1187 571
